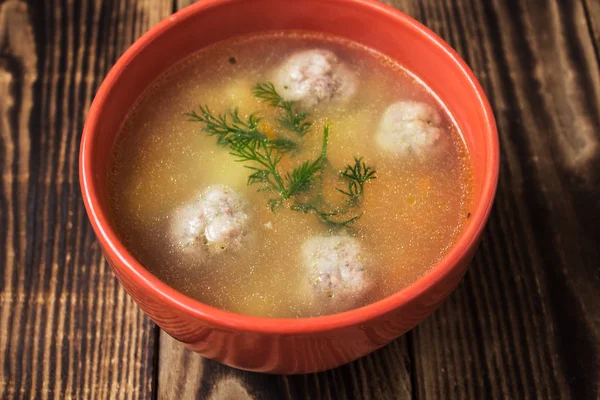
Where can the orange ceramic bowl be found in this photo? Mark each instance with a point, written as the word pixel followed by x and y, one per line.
pixel 288 345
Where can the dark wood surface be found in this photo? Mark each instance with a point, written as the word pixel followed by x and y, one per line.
pixel 525 322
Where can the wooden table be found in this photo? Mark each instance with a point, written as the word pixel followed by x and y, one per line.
pixel 525 322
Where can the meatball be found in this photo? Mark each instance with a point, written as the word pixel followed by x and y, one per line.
pixel 213 222
pixel 336 266
pixel 314 76
pixel 410 128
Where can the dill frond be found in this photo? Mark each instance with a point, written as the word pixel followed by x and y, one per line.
pixel 231 128
pixel 329 218
pixel 356 175
pixel 301 177
pixel 292 119
pixel 262 153
pixel 266 157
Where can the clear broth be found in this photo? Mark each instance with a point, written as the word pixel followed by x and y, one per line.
pixel 413 212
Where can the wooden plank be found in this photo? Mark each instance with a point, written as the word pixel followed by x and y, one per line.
pixel 524 322
pixel 592 15
pixel 184 374
pixel 67 329
pixel 179 4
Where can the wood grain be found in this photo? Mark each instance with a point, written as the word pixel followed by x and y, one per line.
pixel 526 314
pixel 592 14
pixel 184 374
pixel 525 323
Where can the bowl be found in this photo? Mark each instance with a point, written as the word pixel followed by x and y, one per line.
pixel 303 345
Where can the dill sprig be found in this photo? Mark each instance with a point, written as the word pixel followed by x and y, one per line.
pixel 292 119
pixel 329 218
pixel 265 169
pixel 230 128
pixel 300 177
pixel 356 175
pixel 265 157
pixel 263 153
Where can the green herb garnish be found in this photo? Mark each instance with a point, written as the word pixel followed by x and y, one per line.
pixel 356 175
pixel 249 144
pixel 230 128
pixel 292 119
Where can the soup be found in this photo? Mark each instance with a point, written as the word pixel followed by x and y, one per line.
pixel 289 175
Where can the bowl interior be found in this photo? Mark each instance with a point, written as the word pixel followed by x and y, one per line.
pixel 365 22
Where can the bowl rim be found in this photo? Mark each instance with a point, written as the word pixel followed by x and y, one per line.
pixel 239 322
